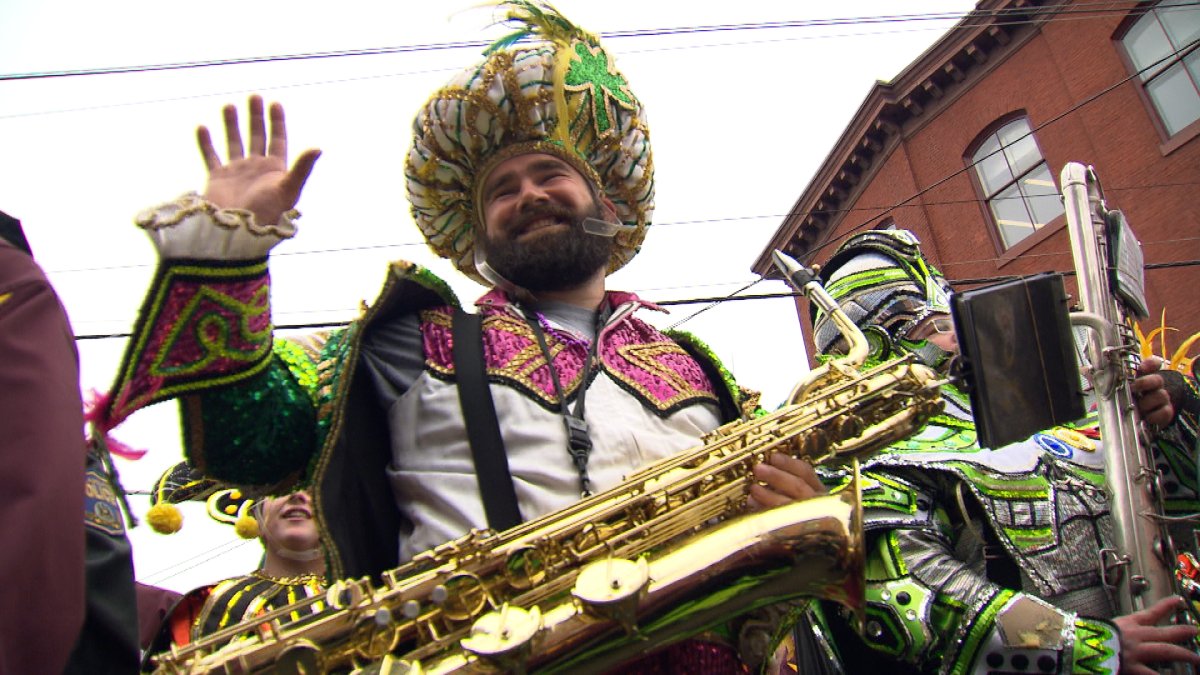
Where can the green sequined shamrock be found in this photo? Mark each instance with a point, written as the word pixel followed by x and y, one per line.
pixel 590 72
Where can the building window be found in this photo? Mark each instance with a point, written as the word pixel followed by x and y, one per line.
pixel 1016 183
pixel 1161 47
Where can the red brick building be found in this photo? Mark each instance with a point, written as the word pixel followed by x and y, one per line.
pixel 945 149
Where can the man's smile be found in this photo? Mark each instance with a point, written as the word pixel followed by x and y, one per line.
pixel 540 224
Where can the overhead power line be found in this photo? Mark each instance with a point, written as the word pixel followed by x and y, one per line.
pixel 159 576
pixel 698 221
pixel 1020 16
pixel 709 301
pixel 478 44
pixel 1094 9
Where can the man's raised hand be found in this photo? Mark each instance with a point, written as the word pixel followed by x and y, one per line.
pixel 260 181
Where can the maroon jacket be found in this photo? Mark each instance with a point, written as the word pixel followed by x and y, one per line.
pixel 42 456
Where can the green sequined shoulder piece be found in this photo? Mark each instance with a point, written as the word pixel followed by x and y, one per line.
pixel 404 270
pixel 697 346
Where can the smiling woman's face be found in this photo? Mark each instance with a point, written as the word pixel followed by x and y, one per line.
pixel 289 521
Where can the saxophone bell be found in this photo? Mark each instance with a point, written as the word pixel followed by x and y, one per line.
pixel 812 549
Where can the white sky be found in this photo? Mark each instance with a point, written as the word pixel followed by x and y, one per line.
pixel 739 122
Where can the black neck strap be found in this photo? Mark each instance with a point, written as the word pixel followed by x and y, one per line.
pixel 483 429
pixel 579 441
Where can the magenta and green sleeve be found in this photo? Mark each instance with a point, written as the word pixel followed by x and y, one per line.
pixel 204 336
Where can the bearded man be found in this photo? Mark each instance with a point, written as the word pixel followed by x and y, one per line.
pixel 532 172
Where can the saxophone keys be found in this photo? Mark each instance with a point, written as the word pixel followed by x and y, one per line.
pixel 504 637
pixel 300 658
pixel 613 588
pixel 525 568
pixel 462 597
pixel 344 594
pixel 814 444
pixel 850 427
pixel 411 609
pixel 390 665
pixel 377 634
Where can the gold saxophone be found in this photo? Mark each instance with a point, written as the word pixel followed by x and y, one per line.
pixel 668 553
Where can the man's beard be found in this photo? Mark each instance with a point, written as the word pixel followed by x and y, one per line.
pixel 554 261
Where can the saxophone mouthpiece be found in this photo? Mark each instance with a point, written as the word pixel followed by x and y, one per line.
pixel 796 274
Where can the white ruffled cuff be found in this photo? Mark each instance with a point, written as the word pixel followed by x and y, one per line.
pixel 191 227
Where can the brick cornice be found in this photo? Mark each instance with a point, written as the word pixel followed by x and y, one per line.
pixel 983 38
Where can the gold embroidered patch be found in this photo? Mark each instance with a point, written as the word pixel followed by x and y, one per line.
pixel 522 365
pixel 647 357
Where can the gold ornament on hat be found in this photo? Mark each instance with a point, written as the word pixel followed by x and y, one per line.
pixel 178 484
pixel 232 507
pixel 182 483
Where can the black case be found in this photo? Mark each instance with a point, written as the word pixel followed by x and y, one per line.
pixel 1018 360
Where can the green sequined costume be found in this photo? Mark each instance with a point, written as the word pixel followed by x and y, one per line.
pixel 977 560
pixel 975 557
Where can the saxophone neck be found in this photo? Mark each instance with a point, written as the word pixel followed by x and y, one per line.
pixel 805 280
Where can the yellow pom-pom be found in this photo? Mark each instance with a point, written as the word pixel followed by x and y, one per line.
pixel 246 527
pixel 164 518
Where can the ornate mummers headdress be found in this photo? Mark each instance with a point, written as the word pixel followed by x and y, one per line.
pixel 886 287
pixel 182 483
pixel 562 96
